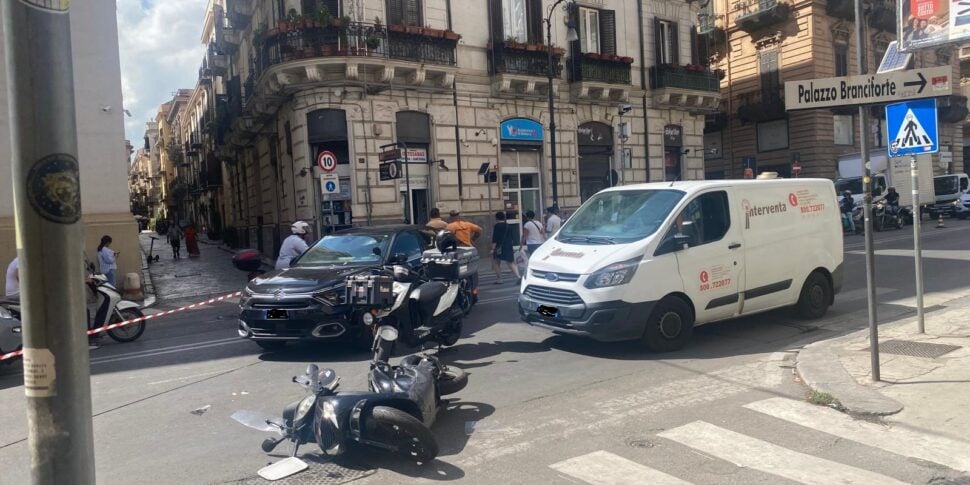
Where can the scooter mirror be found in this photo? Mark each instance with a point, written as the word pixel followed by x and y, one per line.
pixel 312 370
pixel 387 333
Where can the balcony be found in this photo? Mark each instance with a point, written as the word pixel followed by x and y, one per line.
pixel 210 175
pixel 599 77
pixel 216 60
pixel 761 106
pixel 842 9
pixel 883 15
pixel 758 15
pixel 240 12
pixel 685 87
pixel 306 52
pixel 229 40
pixel 951 109
pixel 522 68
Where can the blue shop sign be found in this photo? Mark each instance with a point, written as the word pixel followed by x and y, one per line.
pixel 521 129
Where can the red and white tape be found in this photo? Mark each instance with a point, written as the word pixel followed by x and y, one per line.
pixel 93 331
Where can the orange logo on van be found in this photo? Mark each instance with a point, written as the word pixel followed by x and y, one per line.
pixel 793 199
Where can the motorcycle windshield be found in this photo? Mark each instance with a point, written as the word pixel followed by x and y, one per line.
pixel 257 421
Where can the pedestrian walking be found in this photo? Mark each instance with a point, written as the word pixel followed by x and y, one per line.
pixel 106 259
pixel 175 239
pixel 436 223
pixel 553 221
pixel 191 241
pixel 503 250
pixel 466 232
pixel 533 235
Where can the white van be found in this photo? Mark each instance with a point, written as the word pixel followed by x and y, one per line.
pixel 650 261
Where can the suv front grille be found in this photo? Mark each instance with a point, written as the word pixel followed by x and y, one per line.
pixel 564 277
pixel 553 295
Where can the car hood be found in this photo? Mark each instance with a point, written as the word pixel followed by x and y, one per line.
pixel 583 258
pixel 304 279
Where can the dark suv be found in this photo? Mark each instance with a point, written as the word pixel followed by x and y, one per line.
pixel 306 301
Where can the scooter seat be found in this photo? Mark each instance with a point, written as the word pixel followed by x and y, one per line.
pixel 429 292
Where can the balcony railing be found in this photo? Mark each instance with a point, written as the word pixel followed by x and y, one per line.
pixel 667 76
pixel 586 68
pixel 356 39
pixel 755 15
pixel 525 59
pixel 761 106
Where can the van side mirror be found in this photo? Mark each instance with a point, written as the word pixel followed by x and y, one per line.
pixel 674 243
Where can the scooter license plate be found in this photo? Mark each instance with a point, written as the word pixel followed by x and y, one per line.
pixel 276 314
pixel 548 311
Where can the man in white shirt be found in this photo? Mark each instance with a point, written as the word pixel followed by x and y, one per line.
pixel 294 245
pixel 553 221
pixel 13 278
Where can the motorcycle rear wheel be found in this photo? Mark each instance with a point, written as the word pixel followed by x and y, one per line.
pixel 128 333
pixel 410 436
pixel 451 380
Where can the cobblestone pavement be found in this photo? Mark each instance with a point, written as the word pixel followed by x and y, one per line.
pixel 179 280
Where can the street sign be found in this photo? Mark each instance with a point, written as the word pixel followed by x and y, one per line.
pixel 869 88
pixel 912 128
pixel 389 155
pixel 330 185
pixel 390 170
pixel 327 161
pixel 796 169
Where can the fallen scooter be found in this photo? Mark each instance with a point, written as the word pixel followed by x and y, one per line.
pixel 396 415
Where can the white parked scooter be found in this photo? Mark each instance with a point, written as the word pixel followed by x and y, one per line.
pixel 110 308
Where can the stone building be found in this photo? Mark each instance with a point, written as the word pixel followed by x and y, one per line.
pixel 758 45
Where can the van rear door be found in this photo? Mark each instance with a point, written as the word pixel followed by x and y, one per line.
pixel 711 267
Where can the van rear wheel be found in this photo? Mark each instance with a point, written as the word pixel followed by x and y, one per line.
pixel 670 326
pixel 815 297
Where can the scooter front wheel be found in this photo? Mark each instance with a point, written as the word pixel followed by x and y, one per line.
pixel 128 333
pixel 451 380
pixel 409 436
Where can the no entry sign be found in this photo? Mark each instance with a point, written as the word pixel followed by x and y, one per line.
pixel 327 161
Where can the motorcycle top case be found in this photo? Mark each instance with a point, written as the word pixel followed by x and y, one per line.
pixel 370 290
pixel 460 263
pixel 247 260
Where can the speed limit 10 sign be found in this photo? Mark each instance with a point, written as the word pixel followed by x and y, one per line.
pixel 327 161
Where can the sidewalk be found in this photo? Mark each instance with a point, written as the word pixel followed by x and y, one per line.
pixel 209 275
pixel 925 378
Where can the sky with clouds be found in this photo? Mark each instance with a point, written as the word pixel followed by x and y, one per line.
pixel 160 52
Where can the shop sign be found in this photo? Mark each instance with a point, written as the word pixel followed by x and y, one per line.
pixel 521 129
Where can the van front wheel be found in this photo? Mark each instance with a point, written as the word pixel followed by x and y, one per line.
pixel 670 326
pixel 815 297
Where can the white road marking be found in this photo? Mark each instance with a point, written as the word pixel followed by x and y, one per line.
pixel 760 455
pixel 901 441
pixel 951 254
pixel 604 468
pixel 168 350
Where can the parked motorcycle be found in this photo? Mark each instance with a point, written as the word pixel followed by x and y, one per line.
pixel 396 415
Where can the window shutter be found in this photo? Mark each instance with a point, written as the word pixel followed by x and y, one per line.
pixel 395 12
pixel 333 6
pixel 675 42
pixel 495 14
pixel 657 41
pixel 535 22
pixel 412 12
pixel 308 7
pixel 607 32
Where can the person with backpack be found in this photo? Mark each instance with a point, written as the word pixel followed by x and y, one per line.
pixel 533 235
pixel 503 249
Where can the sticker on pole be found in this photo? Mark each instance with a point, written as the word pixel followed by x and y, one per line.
pixel 39 373
pixel 915 124
pixel 327 161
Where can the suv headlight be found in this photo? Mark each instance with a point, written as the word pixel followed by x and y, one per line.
pixel 613 275
pixel 4 313
pixel 332 297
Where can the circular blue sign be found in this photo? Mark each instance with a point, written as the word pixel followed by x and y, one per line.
pixel 331 187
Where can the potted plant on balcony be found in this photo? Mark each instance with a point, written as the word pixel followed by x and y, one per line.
pixel 432 32
pixel 558 51
pixel 397 28
pixel 414 29
pixel 378 25
pixel 511 42
pixel 373 41
pixel 451 35
pixel 593 55
pixel 324 17
pixel 626 60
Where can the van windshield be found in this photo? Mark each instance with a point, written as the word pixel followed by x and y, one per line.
pixel 619 217
pixel 948 184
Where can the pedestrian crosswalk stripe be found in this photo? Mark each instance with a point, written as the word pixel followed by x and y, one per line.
pixel 911 133
pixel 760 455
pixel 605 468
pixel 938 449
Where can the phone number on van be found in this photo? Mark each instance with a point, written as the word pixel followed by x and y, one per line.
pixel 715 284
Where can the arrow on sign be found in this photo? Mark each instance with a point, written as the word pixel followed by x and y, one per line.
pixel 921 83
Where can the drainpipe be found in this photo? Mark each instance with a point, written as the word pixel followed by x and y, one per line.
pixel 454 98
pixel 643 86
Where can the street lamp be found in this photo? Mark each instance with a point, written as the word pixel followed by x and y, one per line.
pixel 571 36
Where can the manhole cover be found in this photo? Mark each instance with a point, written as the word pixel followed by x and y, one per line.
pixel 320 472
pixel 915 349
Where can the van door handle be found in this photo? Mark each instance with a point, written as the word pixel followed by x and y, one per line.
pixel 734 245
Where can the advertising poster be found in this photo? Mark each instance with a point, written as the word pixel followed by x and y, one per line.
pixel 927 23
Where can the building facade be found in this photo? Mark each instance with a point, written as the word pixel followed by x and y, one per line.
pixel 461 88
pixel 756 46
pixel 103 153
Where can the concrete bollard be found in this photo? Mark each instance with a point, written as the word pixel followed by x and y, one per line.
pixel 133 287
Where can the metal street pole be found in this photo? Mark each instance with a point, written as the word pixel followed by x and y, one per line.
pixel 917 245
pixel 552 109
pixel 867 197
pixel 47 209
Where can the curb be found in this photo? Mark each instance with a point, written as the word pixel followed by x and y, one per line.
pixel 148 288
pixel 820 369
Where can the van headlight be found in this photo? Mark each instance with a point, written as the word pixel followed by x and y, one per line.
pixel 613 275
pixel 305 405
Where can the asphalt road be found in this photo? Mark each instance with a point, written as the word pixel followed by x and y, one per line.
pixel 538 408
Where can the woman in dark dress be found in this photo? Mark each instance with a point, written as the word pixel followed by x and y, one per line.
pixel 503 239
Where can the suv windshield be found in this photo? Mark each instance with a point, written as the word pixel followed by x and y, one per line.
pixel 346 249
pixel 619 217
pixel 948 184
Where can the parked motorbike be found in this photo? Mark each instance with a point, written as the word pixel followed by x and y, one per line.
pixel 396 415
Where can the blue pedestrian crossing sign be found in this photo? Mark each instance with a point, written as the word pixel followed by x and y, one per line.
pixel 912 128
pixel 330 185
